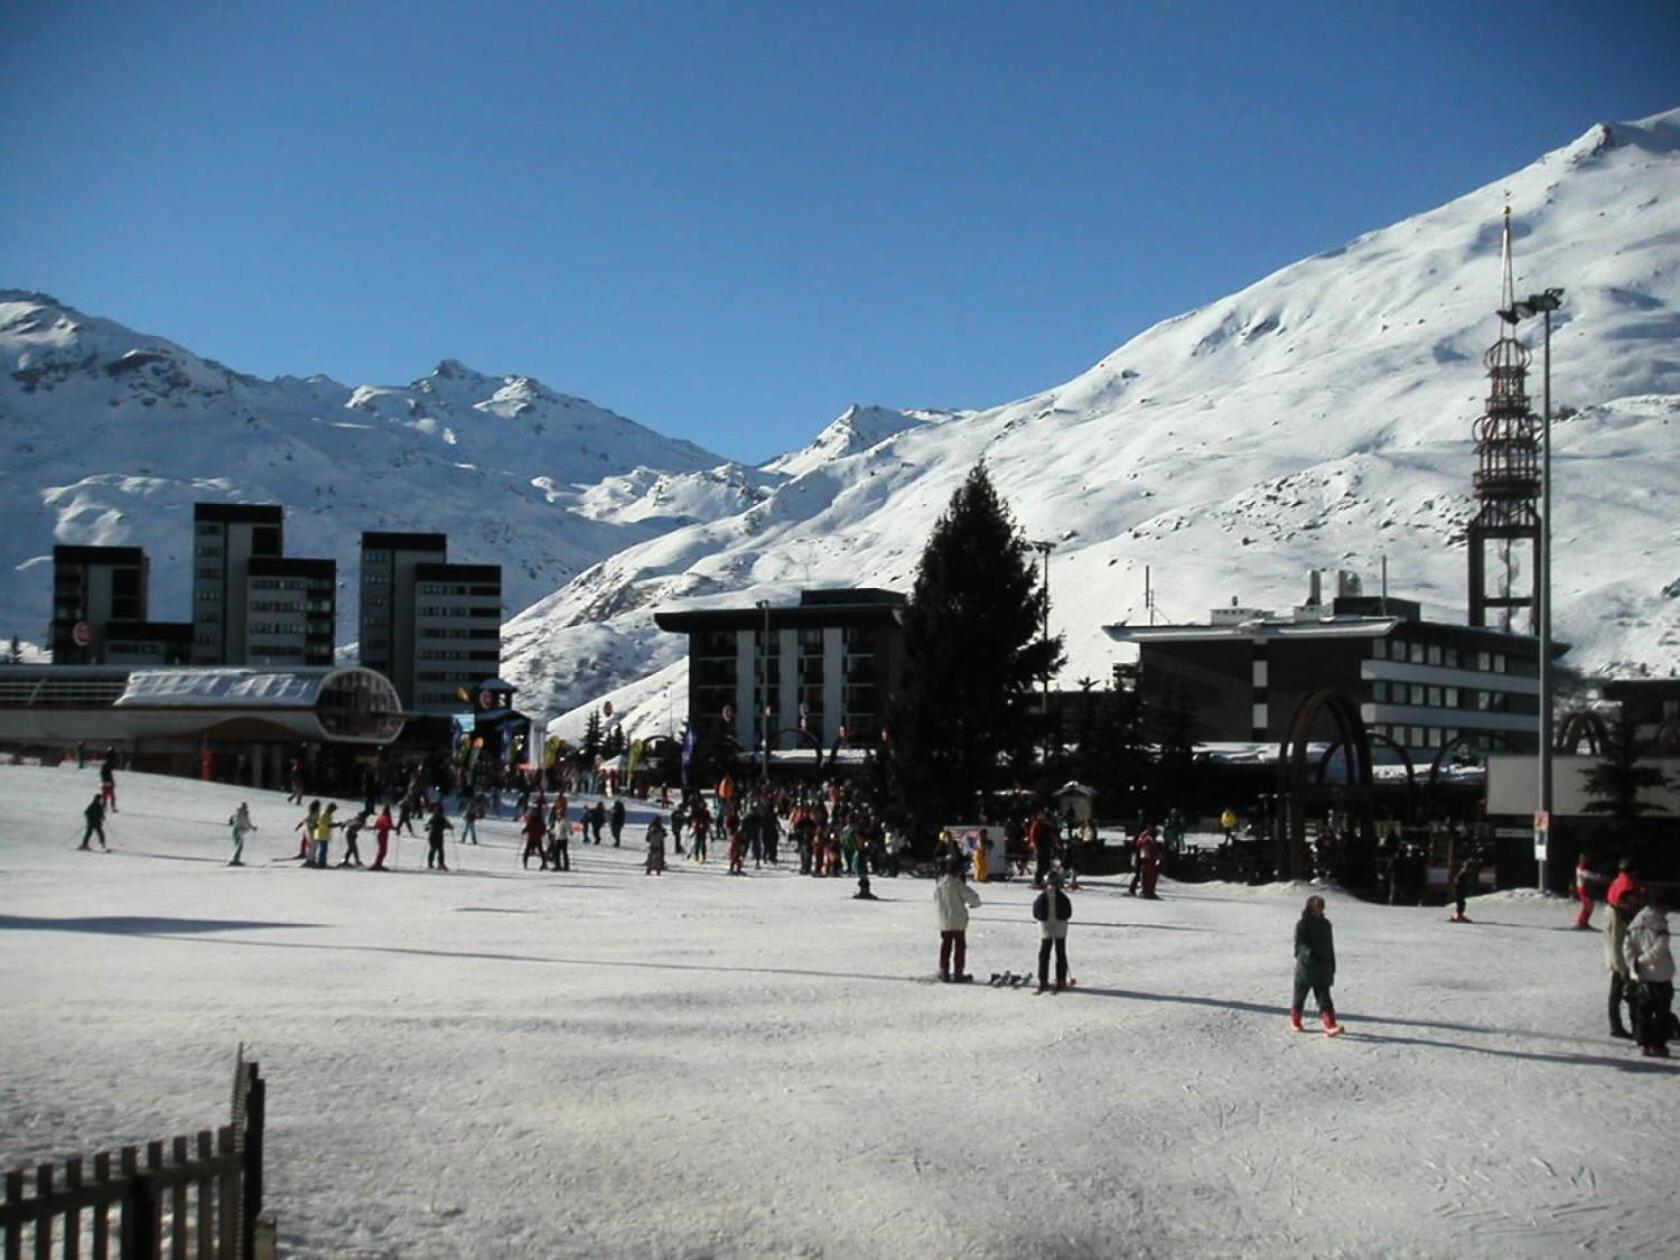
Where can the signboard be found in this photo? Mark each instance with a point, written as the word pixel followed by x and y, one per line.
pixel 81 634
pixel 1542 821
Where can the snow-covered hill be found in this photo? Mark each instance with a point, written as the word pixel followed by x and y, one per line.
pixel 111 435
pixel 1319 418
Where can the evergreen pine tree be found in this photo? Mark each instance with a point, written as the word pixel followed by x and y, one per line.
pixel 1614 784
pixel 974 648
pixel 591 746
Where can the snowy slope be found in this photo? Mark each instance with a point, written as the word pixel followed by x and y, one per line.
pixel 110 436
pixel 602 1064
pixel 1320 418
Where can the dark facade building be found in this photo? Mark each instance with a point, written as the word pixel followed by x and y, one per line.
pixel 1424 684
pixel 290 610
pixel 226 537
pixel 388 603
pixel 100 597
pixel 822 670
pixel 1654 706
pixel 456 632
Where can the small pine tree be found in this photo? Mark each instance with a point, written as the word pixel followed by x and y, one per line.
pixel 592 743
pixel 1614 784
pixel 613 743
pixel 1172 725
pixel 974 648
pixel 14 655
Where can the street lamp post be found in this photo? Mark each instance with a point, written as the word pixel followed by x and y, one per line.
pixel 763 697
pixel 1044 548
pixel 1543 304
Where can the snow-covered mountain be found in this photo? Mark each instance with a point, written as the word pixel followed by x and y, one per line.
pixel 111 435
pixel 1320 418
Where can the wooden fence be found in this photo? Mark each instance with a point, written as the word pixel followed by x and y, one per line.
pixel 196 1197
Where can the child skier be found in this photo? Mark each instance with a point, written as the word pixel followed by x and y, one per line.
pixel 241 826
pixel 1053 910
pixel 953 899
pixel 1315 966
pixel 382 828
pixel 436 825
pixel 533 840
pixel 655 848
pixel 95 815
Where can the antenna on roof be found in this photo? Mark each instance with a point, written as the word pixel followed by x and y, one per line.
pixel 1507 286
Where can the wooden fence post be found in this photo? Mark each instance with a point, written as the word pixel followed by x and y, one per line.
pixel 256 1100
pixel 102 1212
pixel 43 1222
pixel 73 1217
pixel 14 1233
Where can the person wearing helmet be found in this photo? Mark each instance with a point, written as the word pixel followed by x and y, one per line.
pixel 953 899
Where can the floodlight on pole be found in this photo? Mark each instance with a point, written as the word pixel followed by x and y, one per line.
pixel 1543 304
pixel 1044 547
pixel 763 696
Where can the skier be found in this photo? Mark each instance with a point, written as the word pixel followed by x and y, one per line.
pixel 1585 878
pixel 533 840
pixel 81 754
pixel 1315 966
pixel 737 845
pixel 655 848
pixel 597 820
pixel 1651 968
pixel 307 827
pixel 1151 865
pixel 560 843
pixel 1140 845
pixel 469 819
pixel 242 826
pixel 436 825
pixel 352 829
pixel 1463 879
pixel 323 834
pixel 1053 910
pixel 108 780
pixel 953 899
pixel 1041 839
pixel 95 815
pixel 677 823
pixel 1616 917
pixel 382 828
pixel 700 825
pixel 616 820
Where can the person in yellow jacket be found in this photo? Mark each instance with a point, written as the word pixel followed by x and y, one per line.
pixel 324 825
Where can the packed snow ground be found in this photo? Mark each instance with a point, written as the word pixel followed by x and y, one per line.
pixel 495 1062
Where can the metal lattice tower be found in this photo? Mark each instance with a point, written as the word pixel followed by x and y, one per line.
pixel 1505 534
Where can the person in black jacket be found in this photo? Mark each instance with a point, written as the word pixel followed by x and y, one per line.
pixel 436 825
pixel 616 821
pixel 1315 966
pixel 1052 909
pixel 95 815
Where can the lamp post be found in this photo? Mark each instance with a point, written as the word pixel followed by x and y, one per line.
pixel 1044 547
pixel 1543 304
pixel 763 697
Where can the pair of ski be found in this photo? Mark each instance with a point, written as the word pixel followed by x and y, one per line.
pixel 1010 980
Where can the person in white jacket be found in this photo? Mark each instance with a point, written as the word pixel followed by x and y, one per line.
pixel 241 826
pixel 953 898
pixel 1651 968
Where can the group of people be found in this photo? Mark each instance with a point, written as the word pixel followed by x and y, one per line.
pixel 1636 952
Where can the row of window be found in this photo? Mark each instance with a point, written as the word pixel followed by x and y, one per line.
pixel 456 654
pixel 445 610
pixel 1440 697
pixel 451 588
pixel 1427 736
pixel 1446 656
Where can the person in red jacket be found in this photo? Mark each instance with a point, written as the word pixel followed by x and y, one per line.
pixel 1140 847
pixel 382 835
pixel 1626 894
pixel 1151 864
pixel 535 830
pixel 1041 839
pixel 1586 879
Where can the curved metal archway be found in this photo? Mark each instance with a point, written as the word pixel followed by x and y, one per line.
pixel 1461 740
pixel 1578 726
pixel 1298 790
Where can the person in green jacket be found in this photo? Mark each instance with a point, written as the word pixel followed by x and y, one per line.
pixel 1315 966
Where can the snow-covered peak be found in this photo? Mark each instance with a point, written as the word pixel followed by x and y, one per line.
pixel 856 429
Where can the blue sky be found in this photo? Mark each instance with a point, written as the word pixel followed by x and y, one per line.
pixel 730 221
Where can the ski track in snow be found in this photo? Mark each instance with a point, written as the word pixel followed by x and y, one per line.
pixel 606 1064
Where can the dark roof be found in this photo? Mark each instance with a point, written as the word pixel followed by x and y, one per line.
pixel 848 596
pixel 458 573
pixel 150 631
pixel 379 540
pixel 291 566
pixel 863 607
pixel 250 513
pixel 99 555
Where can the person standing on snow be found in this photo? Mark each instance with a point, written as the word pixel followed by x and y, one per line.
pixel 1041 839
pixel 1315 966
pixel 1053 911
pixel 1140 847
pixel 953 899
pixel 307 827
pixel 534 831
pixel 597 820
pixel 1616 918
pixel 241 826
pixel 1463 880
pixel 108 780
pixel 95 815
pixel 352 829
pixel 382 828
pixel 1585 880
pixel 655 848
pixel 323 834
pixel 1651 968
pixel 469 819
pixel 560 843
pixel 436 825
pixel 615 821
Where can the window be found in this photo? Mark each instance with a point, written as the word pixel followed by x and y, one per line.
pixel 1451 697
pixel 1484 662
pixel 1499 662
pixel 1397 649
pixel 1450 658
pixel 1434 737
pixel 1417 653
pixel 1435 697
